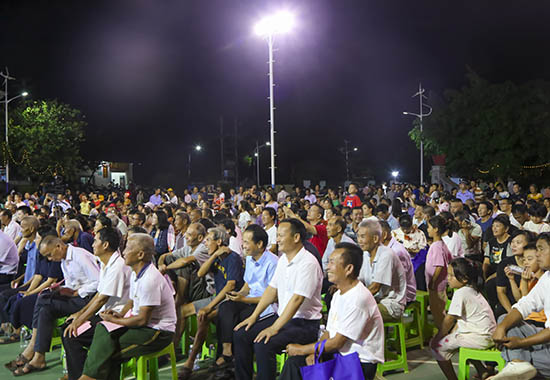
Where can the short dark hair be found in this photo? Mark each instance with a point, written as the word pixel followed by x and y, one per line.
pixel 382 208
pixel 487 204
pixel 6 212
pixel 111 236
pixel 538 211
pixel 429 211
pixel 405 220
pixel 271 211
pixel 353 255
pixel 258 234
pixel 531 246
pixel 140 215
pixel 502 219
pixel 296 227
pixel 105 222
pixel 357 208
pixel 520 209
pixel 137 230
pixel 25 209
pixel 341 222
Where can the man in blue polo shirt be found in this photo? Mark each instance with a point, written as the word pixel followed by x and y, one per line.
pixel 463 193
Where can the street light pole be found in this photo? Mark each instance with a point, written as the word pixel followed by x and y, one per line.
pixel 346 153
pixel 420 117
pixel 7 77
pixel 257 164
pixel 197 148
pixel 271 110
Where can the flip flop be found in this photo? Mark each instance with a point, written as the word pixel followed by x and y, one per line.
pixel 30 369
pixel 12 366
pixel 227 360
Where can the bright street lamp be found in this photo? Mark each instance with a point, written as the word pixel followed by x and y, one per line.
pixel 394 174
pixel 346 151
pixel 421 96
pixel 196 148
pixel 268 27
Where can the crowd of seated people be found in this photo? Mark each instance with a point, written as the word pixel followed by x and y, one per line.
pixel 126 272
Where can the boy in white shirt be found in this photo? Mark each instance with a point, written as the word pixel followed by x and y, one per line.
pixel 354 321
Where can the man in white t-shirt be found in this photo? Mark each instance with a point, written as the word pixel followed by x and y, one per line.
pixel 113 291
pixel 382 272
pixel 151 323
pixel 269 216
pixel 354 321
pixel 298 314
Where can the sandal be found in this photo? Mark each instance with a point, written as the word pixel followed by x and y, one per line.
pixel 10 339
pixel 227 360
pixel 28 368
pixel 13 365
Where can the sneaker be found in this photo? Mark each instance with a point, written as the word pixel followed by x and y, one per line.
pixel 516 371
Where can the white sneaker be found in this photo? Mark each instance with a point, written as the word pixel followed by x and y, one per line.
pixel 516 371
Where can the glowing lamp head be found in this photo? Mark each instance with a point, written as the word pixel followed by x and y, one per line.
pixel 25 93
pixel 198 148
pixel 268 143
pixel 279 23
pixel 395 173
pixel 355 149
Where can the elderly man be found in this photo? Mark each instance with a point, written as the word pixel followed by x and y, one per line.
pixel 227 268
pixel 382 271
pixel 73 234
pixel 81 273
pixel 9 225
pixel 182 265
pixel 9 259
pixel 145 325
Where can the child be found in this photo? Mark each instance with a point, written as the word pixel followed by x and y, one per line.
pixel 529 278
pixel 536 224
pixel 435 271
pixel 474 318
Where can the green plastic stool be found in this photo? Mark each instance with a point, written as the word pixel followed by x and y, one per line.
pixel 396 361
pixel 57 333
pixel 414 334
pixel 139 366
pixel 489 355
pixel 423 298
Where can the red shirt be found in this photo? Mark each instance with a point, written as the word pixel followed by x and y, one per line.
pixel 352 201
pixel 320 240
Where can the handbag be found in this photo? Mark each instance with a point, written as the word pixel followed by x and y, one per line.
pixel 346 367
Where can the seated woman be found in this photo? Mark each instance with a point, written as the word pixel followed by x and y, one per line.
pixel 354 322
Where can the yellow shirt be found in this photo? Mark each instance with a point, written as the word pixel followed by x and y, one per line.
pixel 85 208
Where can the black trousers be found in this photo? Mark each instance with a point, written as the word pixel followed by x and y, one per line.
pixel 5 295
pixel 229 315
pixel 291 370
pixel 297 330
pixel 49 307
pixel 6 278
pixel 76 349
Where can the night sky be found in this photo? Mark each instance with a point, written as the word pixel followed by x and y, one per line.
pixel 154 77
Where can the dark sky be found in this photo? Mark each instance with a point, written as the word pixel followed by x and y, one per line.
pixel 154 77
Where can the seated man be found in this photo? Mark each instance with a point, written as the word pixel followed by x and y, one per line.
pixel 354 321
pixel 299 310
pixel 147 321
pixel 227 268
pixel 112 294
pixel 404 257
pixel 73 234
pixel 182 265
pixel 9 259
pixel 81 274
pixel 382 272
pixel 525 346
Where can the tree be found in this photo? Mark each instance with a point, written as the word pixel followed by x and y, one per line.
pixel 44 139
pixel 500 129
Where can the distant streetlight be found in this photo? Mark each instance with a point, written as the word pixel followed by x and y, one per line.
pixel 420 115
pixel 346 151
pixel 196 148
pixel 395 174
pixel 279 23
pixel 257 155
pixel 6 101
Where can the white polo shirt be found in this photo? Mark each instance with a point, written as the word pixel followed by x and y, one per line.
pixel 386 269
pixel 114 282
pixel 150 288
pixel 355 315
pixel 80 270
pixel 13 229
pixel 301 276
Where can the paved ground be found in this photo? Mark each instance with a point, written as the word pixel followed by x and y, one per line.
pixel 421 366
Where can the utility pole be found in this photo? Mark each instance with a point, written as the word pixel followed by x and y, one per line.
pixel 6 77
pixel 420 117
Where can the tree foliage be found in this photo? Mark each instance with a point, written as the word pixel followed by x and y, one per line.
pixel 44 139
pixel 498 128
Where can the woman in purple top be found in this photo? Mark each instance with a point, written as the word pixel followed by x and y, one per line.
pixel 437 260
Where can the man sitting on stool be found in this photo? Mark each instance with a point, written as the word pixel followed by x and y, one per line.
pixel 354 321
pixel 150 326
